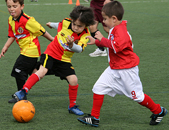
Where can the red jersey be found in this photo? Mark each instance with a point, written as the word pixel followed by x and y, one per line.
pixel 26 31
pixel 121 55
pixel 58 49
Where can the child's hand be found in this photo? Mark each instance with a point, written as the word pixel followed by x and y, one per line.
pixel 98 35
pixel 48 24
pixel 70 41
pixel 4 50
pixel 92 40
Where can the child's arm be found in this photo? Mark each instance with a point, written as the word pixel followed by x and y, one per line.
pixel 92 40
pixel 7 45
pixel 52 25
pixel 98 36
pixel 48 36
pixel 72 45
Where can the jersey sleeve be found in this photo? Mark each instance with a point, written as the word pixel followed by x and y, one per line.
pixel 54 25
pixel 117 41
pixel 10 32
pixel 83 40
pixel 121 41
pixel 34 27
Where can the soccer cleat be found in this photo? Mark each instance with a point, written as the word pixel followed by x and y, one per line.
pixel 19 95
pixel 13 100
pixel 157 118
pixel 98 52
pixel 91 120
pixel 75 110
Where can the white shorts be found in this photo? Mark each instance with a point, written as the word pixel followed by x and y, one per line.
pixel 123 82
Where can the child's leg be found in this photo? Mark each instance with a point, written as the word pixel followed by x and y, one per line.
pixel 158 111
pixel 93 118
pixel 72 90
pixel 72 95
pixel 19 83
pixel 149 103
pixel 97 104
pixel 73 87
pixel 34 78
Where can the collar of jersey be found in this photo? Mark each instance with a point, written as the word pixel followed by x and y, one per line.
pixel 18 17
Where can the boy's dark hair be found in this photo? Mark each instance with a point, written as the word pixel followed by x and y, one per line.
pixel 83 14
pixel 113 8
pixel 21 2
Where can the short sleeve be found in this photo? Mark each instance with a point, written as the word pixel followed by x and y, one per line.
pixel 10 32
pixel 34 27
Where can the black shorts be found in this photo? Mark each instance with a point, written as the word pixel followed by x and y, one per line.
pixel 23 67
pixel 56 67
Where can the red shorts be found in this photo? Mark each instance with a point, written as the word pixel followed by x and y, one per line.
pixel 97 7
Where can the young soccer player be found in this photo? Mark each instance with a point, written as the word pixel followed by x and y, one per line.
pixel 97 7
pixel 25 30
pixel 56 59
pixel 122 74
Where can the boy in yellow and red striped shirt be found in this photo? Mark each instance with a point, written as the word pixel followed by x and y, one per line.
pixel 25 30
pixel 56 59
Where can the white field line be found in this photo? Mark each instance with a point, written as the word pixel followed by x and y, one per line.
pixel 50 4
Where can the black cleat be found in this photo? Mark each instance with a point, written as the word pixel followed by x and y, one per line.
pixel 157 118
pixel 89 120
pixel 13 100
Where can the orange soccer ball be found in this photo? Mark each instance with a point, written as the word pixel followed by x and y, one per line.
pixel 23 111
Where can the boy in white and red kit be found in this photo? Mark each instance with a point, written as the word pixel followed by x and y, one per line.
pixel 122 75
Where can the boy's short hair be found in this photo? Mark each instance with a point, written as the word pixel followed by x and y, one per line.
pixel 83 14
pixel 114 8
pixel 21 2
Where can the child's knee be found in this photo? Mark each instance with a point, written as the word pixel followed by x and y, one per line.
pixel 72 80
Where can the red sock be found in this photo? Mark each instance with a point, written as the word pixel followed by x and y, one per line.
pixel 149 103
pixel 97 104
pixel 32 80
pixel 72 95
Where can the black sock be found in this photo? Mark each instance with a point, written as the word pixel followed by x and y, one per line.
pixel 93 34
pixel 101 48
pixel 20 83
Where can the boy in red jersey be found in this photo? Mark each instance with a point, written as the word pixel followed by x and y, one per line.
pixel 25 30
pixel 122 75
pixel 56 59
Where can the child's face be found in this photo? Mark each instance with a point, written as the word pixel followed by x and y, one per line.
pixel 109 22
pixel 14 9
pixel 78 26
